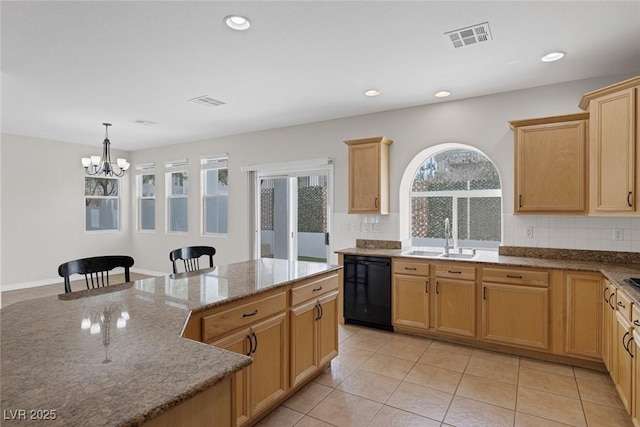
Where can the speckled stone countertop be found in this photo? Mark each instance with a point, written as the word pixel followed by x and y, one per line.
pixel 597 261
pixel 48 362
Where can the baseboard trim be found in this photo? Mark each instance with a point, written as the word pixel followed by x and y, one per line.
pixel 58 280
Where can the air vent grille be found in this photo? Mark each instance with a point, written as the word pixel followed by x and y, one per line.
pixel 478 33
pixel 207 101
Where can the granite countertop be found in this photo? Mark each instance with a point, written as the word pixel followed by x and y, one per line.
pixel 627 265
pixel 50 363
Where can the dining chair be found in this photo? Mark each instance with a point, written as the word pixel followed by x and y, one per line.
pixel 190 257
pixel 95 269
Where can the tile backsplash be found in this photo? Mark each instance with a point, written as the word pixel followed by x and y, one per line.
pixel 545 231
pixel 572 232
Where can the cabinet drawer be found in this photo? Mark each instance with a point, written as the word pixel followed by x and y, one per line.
pixel 314 288
pixel 219 323
pixel 624 305
pixel 411 267
pixel 516 277
pixel 456 271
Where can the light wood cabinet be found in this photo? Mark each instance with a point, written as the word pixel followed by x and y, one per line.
pixel 260 384
pixel 515 307
pixel 608 319
pixel 369 175
pixel 314 327
pixel 455 300
pixel 634 347
pixel 410 294
pixel 613 157
pixel 624 359
pixel 550 164
pixel 583 315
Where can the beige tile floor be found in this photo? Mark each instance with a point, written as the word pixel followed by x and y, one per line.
pixel 381 379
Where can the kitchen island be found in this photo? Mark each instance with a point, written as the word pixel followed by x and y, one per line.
pixel 117 356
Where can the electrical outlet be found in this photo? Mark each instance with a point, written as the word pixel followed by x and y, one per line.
pixel 528 231
pixel 365 227
pixel 618 234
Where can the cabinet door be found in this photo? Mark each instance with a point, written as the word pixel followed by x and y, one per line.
pixel 270 361
pixel 410 301
pixel 304 360
pixel 624 359
pixel 328 328
pixel 550 167
pixel 583 323
pixel 608 316
pixel 635 402
pixel 516 315
pixel 364 178
pixel 613 119
pixel 239 342
pixel 455 311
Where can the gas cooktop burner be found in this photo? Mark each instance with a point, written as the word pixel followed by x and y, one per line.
pixel 634 281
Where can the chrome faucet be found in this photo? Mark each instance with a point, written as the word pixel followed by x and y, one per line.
pixel 447 237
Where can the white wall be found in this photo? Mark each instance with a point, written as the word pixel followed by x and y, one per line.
pixel 43 206
pixel 43 209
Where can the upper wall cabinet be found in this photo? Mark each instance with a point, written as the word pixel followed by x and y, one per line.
pixel 550 164
pixel 369 175
pixel 613 154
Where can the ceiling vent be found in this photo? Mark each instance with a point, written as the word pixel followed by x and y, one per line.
pixel 207 101
pixel 145 122
pixel 478 33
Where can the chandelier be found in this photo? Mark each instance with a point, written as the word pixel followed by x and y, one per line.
pixel 97 165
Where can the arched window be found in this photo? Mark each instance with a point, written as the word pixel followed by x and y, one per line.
pixel 459 183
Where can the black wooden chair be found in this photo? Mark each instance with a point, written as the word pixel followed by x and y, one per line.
pixel 190 256
pixel 95 269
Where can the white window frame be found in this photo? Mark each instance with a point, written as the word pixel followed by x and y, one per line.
pixel 141 171
pixel 171 167
pixel 118 198
pixel 406 194
pixel 208 163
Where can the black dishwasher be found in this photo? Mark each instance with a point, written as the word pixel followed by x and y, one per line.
pixel 367 291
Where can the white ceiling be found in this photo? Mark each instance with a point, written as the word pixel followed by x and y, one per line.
pixel 69 66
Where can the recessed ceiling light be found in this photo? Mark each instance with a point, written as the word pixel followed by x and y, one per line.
pixel 553 56
pixel 442 94
pixel 372 92
pixel 237 22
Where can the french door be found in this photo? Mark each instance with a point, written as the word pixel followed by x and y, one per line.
pixel 293 215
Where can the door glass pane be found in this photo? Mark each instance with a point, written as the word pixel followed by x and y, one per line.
pixel 312 218
pixel 274 221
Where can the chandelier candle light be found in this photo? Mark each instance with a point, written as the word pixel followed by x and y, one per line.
pixel 97 165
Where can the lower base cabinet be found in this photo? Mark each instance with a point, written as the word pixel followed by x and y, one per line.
pixel 515 315
pixel 584 315
pixel 314 339
pixel 455 304
pixel 265 380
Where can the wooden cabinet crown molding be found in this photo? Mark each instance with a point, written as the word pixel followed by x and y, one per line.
pixel 515 124
pixel 616 87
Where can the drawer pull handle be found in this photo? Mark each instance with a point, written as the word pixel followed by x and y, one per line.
pixel 610 301
pixel 620 304
pixel 319 288
pixel 513 276
pixel 250 314
pixel 411 268
pixel 635 322
pixel 455 272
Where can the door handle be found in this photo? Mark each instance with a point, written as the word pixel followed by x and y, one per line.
pixel 437 283
pixel 250 345
pixel 426 286
pixel 255 340
pixel 620 304
pixel 629 199
pixel 604 294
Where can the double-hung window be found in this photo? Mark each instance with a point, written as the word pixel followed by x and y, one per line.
pixel 215 194
pixel 177 196
pixel 146 185
pixel 102 203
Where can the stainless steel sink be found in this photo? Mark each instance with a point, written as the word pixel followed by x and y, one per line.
pixel 457 256
pixel 431 254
